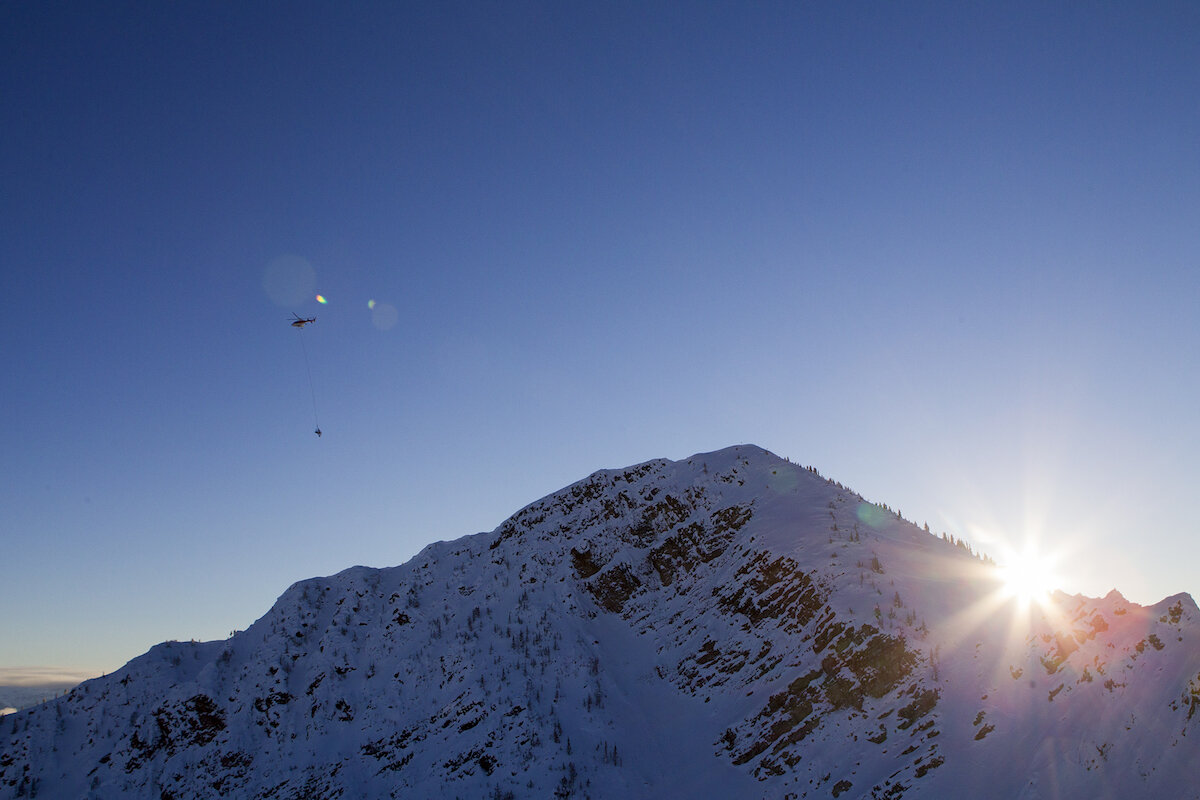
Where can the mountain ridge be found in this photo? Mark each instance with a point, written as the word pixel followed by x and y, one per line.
pixel 728 623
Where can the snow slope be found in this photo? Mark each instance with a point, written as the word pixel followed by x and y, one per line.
pixel 728 625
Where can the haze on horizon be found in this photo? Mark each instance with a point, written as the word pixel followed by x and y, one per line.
pixel 947 255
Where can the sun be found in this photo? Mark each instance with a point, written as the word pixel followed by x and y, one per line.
pixel 1027 576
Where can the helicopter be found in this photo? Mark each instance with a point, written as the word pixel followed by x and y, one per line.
pixel 300 322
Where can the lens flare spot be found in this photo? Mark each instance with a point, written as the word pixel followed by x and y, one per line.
pixel 783 481
pixel 289 280
pixel 871 514
pixel 321 299
pixel 384 316
pixel 371 304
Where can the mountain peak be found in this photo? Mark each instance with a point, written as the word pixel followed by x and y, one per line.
pixel 727 624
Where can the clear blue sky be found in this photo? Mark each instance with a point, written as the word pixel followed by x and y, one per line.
pixel 949 254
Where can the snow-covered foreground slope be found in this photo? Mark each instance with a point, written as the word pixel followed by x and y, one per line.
pixel 731 625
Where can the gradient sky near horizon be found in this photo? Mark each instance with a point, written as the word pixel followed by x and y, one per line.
pixel 946 253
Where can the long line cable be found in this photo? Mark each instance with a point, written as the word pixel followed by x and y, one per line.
pixel 312 391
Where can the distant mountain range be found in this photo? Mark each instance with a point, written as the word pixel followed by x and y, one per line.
pixel 729 625
pixel 13 698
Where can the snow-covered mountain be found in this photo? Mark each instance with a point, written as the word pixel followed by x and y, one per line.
pixel 729 625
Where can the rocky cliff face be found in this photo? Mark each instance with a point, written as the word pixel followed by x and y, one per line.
pixel 727 625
